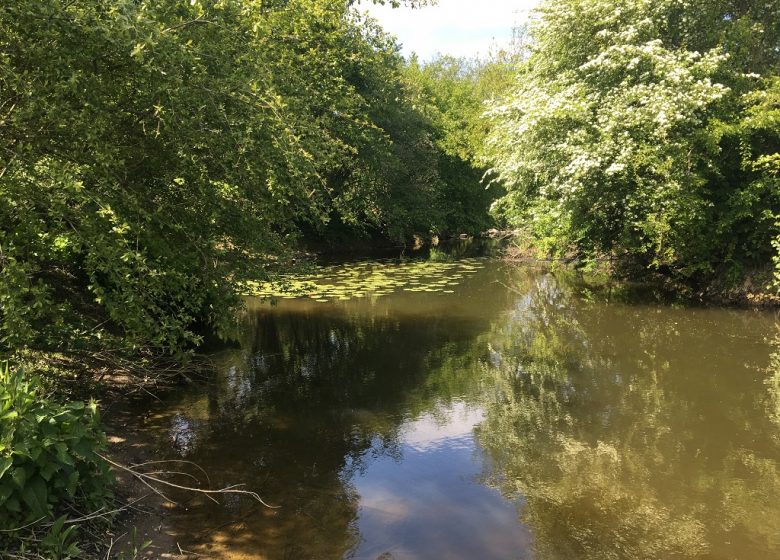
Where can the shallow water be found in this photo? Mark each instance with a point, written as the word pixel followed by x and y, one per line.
pixel 510 414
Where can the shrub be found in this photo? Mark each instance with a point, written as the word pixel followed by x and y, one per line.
pixel 48 455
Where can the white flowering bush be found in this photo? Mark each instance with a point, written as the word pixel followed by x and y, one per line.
pixel 622 136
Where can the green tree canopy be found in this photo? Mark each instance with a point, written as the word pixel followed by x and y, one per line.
pixel 642 130
pixel 154 153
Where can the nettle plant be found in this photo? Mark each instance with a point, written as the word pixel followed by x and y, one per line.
pixel 49 455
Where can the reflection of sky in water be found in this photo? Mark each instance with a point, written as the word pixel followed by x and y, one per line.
pixel 239 385
pixel 429 503
pixel 183 434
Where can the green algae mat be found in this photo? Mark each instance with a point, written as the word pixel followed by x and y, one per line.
pixel 368 279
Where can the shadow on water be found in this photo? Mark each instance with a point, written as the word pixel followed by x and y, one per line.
pixel 521 416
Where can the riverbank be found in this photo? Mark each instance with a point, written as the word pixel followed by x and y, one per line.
pixel 141 527
pixel 754 288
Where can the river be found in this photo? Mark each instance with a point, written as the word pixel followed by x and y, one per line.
pixel 475 409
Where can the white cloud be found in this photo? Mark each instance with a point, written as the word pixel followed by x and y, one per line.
pixel 455 27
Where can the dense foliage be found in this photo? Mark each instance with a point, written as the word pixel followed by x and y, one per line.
pixel 647 131
pixel 452 93
pixel 154 153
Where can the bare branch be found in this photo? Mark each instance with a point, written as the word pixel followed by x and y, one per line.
pixel 148 480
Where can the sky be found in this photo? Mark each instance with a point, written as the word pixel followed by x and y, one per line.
pixel 454 27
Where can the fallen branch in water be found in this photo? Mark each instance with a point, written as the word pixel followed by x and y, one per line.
pixel 149 481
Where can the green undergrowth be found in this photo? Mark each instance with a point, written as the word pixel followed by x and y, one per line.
pixel 728 284
pixel 51 472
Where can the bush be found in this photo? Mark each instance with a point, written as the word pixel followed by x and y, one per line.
pixel 654 144
pixel 48 455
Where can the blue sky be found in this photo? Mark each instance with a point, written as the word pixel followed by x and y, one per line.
pixel 455 27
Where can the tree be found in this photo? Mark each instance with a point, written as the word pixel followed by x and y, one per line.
pixel 622 135
pixel 155 153
pixel 451 93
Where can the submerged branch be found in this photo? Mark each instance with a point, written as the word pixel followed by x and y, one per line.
pixel 149 481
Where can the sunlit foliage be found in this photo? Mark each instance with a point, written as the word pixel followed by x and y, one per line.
pixel 152 154
pixel 646 131
pixel 452 93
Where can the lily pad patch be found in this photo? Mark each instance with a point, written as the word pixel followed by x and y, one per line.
pixel 367 279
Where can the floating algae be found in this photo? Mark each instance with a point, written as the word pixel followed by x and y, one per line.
pixel 366 279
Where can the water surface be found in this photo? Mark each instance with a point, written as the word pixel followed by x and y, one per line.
pixel 509 414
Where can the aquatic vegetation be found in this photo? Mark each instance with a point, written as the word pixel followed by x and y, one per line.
pixel 368 279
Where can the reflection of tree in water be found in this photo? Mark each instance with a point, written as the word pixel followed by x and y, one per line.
pixel 311 399
pixel 773 387
pixel 632 431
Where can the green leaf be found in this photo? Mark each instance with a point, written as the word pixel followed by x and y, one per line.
pixel 35 495
pixel 63 454
pixel 48 470
pixel 6 489
pixel 56 527
pixel 19 476
pixel 8 416
pixel 12 504
pixel 5 464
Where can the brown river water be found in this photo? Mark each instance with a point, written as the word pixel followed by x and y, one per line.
pixel 479 410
